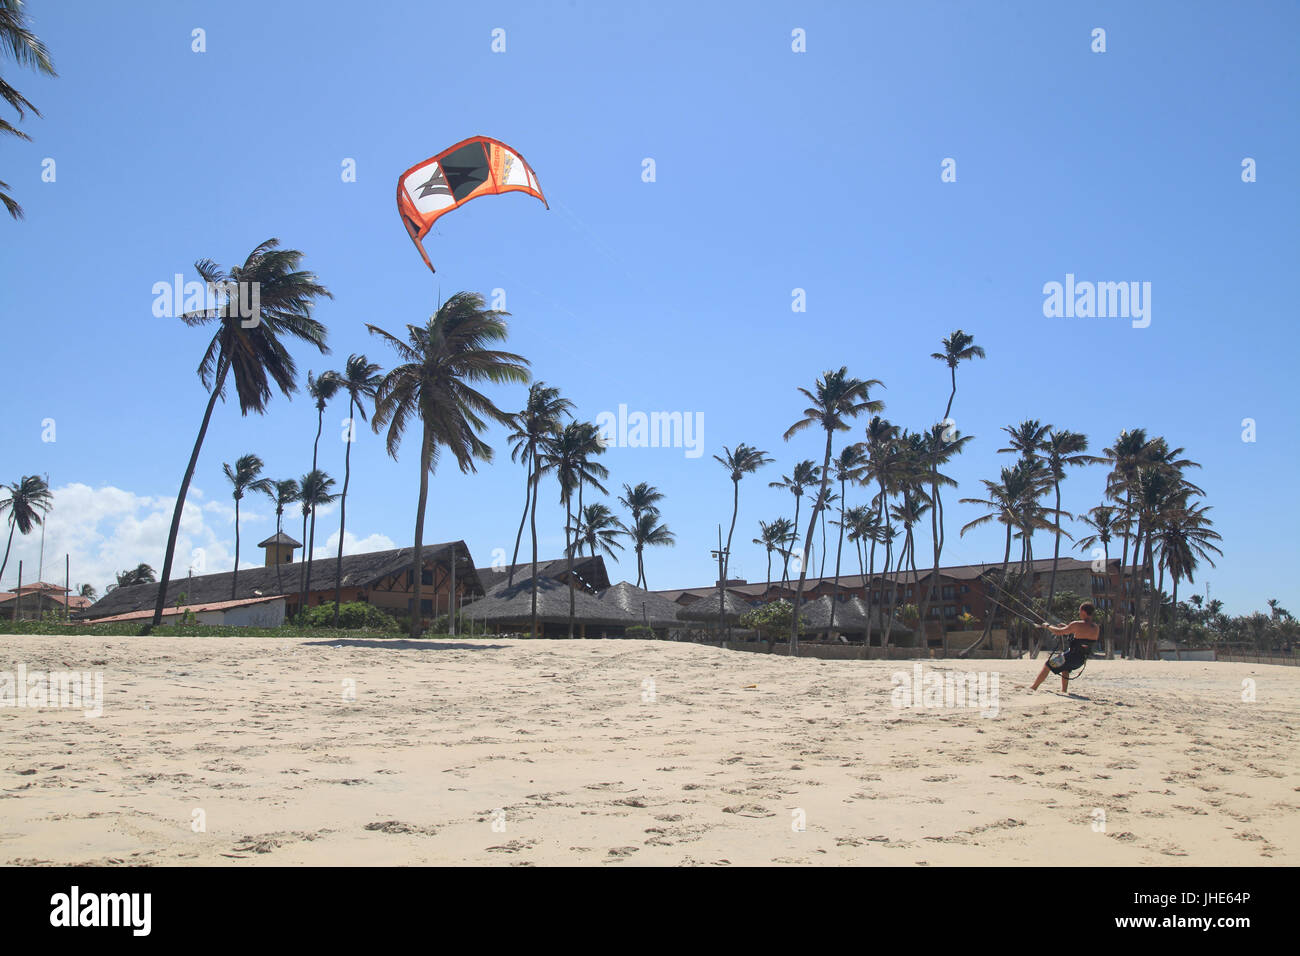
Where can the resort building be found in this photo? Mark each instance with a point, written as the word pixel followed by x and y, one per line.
pixel 33 601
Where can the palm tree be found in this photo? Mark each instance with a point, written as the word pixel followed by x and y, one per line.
pixel 29 501
pixel 568 459
pixel 19 42
pixel 745 460
pixel 314 491
pixel 835 397
pixel 359 378
pixel 1060 450
pixel 883 460
pixel 805 474
pixel 957 348
pixel 535 428
pixel 647 532
pixel 774 536
pixel 140 574
pixel 321 391
pixel 592 445
pixel 849 466
pixel 942 444
pixel 640 500
pixel 861 523
pixel 599 529
pixel 251 348
pixel 1186 539
pixel 243 477
pixel 442 361
pixel 282 493
pixel 1103 520
pixel 88 592
pixel 1007 503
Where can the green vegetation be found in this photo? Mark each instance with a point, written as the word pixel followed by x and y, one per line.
pixel 138 629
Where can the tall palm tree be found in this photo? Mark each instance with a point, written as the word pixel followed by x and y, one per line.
pixel 1063 449
pixel 1186 539
pixel 647 532
pixel 19 42
pixel 282 494
pixel 243 478
pixel 1129 451
pixel 641 500
pixel 805 475
pixel 441 363
pixel 314 491
pixel 835 397
pixel 250 348
pixel 942 445
pixel 569 460
pixel 883 467
pixel 359 378
pixel 745 460
pixel 1103 522
pixel 592 445
pixel 29 501
pixel 957 348
pixel 535 427
pixel 321 390
pixel 599 529
pixel 849 466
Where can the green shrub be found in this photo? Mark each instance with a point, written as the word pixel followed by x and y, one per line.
pixel 355 616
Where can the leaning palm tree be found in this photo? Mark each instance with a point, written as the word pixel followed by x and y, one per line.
pixel 140 574
pixel 19 42
pixel 957 348
pixel 282 494
pixel 359 378
pixel 314 491
pixel 835 397
pixel 643 499
pixel 88 592
pixel 804 475
pixel 251 348
pixel 745 460
pixel 535 427
pixel 647 532
pixel 28 502
pixel 442 362
pixel 243 478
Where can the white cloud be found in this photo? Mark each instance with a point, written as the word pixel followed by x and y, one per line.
pixel 106 530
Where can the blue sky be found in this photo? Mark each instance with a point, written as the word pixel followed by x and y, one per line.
pixel 775 170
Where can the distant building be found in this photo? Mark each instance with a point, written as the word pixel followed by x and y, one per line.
pixel 38 598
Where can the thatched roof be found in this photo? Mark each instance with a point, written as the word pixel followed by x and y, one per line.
pixel 706 608
pixel 849 616
pixel 588 572
pixel 514 605
pixel 643 605
pixel 359 570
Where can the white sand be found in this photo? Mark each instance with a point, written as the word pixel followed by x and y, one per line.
pixel 554 742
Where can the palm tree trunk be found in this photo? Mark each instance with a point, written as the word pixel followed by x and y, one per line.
pixel 165 577
pixel 302 563
pixel 839 550
pixel 1056 554
pixel 803 565
pixel 12 524
pixel 785 571
pixel 310 548
pixel 523 518
pixel 343 513
pixel 991 611
pixel 640 569
pixel 279 519
pixel 417 560
pixel 533 520
pixel 953 369
pixel 234 578
pixel 568 520
pixel 936 537
pixel 735 509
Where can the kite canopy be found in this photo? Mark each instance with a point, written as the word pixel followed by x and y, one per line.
pixel 478 166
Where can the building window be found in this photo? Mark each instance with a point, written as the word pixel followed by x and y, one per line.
pixel 965 589
pixel 426 576
pixel 949 610
pixel 947 592
pixel 426 606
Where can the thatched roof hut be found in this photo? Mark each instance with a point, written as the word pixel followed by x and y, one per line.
pixel 706 608
pixel 589 573
pixel 644 606
pixel 513 606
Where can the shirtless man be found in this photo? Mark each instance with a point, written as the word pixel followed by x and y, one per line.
pixel 1083 634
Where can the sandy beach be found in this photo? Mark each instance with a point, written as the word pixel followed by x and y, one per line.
pixel 249 751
